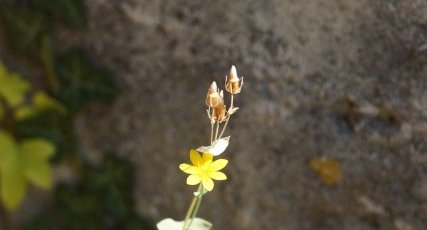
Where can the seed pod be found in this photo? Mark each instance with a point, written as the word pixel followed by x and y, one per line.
pixel 213 97
pixel 219 113
pixel 233 84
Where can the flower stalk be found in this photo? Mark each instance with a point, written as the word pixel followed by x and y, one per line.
pixel 228 117
pixel 193 209
pixel 203 169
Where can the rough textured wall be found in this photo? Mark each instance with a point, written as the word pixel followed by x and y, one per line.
pixel 340 79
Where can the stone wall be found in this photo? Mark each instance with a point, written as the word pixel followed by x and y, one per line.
pixel 341 79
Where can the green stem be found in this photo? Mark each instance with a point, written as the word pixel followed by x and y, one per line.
pixel 190 211
pixel 212 124
pixel 196 209
pixel 216 132
pixel 47 60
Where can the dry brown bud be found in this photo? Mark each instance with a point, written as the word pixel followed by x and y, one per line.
pixel 213 98
pixel 232 82
pixel 220 113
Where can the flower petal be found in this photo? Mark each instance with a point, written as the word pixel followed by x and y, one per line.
pixel 217 176
pixel 219 164
pixel 193 180
pixel 208 183
pixel 207 158
pixel 190 169
pixel 195 157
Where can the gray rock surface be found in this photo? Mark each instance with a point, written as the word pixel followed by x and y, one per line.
pixel 342 79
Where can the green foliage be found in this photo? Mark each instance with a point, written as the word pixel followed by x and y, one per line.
pixel 12 87
pixel 41 102
pixel 39 122
pixel 102 199
pixel 34 158
pixel 82 81
pixel 23 162
pixel 24 27
pixel 51 126
pixel 14 90
pixel 26 161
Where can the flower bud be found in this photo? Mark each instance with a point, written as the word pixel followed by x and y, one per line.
pixel 213 98
pixel 232 82
pixel 213 88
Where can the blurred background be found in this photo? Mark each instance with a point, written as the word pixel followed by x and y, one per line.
pixel 101 100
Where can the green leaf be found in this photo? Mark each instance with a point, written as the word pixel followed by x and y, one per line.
pixel 35 154
pixel 24 112
pixel 170 224
pixel 12 87
pixel 37 171
pixel 12 182
pixel 8 150
pixel 38 148
pixel 13 186
pixel 1 111
pixel 51 126
pixel 82 82
pixel 24 27
pixel 42 101
pixel 29 161
pixel 3 71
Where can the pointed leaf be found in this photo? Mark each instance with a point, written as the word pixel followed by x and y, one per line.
pixel 43 101
pixel 24 112
pixel 217 147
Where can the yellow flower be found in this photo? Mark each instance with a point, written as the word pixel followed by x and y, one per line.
pixel 204 169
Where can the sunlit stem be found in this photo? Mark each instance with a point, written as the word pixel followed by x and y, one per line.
pixel 212 124
pixel 196 209
pixel 191 209
pixel 217 131
pixel 228 117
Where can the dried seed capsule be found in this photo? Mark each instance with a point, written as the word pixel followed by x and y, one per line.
pixel 213 97
pixel 233 84
pixel 220 113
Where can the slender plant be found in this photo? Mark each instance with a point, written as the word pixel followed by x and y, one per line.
pixel 203 169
